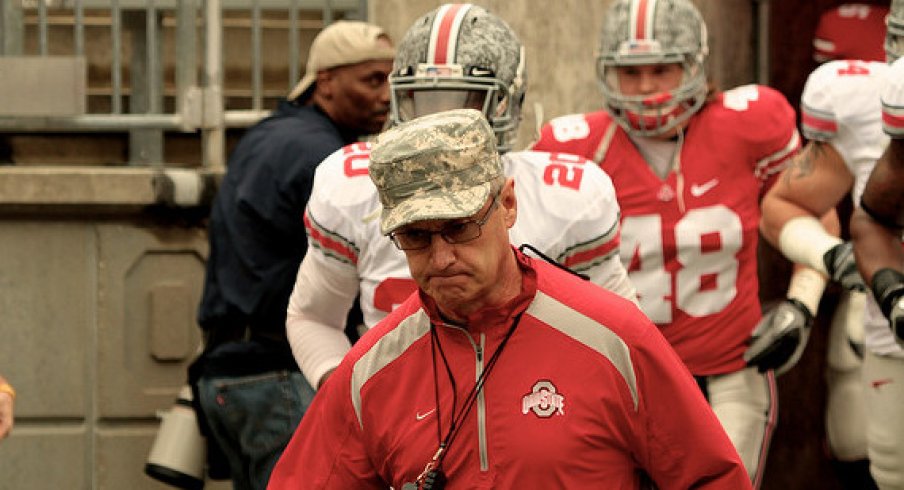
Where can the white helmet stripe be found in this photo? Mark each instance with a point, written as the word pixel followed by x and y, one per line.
pixel 642 12
pixel 444 33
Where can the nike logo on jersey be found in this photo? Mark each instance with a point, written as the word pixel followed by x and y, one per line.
pixel 698 190
pixel 879 382
pixel 421 416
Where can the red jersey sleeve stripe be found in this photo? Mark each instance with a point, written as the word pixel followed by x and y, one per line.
pixel 593 252
pixel 777 161
pixel 818 127
pixel 591 257
pixel 893 120
pixel 331 244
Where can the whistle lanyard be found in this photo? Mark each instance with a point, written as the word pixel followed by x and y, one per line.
pixel 433 469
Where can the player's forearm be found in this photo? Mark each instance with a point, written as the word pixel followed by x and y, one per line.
pixel 812 186
pixel 318 340
pixel 807 285
pixel 318 348
pixel 316 316
pixel 803 240
pixel 875 246
pixel 777 211
pixel 883 196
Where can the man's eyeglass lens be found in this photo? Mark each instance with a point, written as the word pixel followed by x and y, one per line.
pixel 455 232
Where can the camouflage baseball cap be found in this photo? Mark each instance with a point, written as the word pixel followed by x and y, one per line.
pixel 440 166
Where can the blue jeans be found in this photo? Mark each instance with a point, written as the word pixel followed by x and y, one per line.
pixel 252 419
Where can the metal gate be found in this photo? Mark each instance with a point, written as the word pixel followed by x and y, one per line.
pixel 171 51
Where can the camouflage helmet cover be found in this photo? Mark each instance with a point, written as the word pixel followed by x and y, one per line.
pixel 463 47
pixel 894 33
pixel 646 32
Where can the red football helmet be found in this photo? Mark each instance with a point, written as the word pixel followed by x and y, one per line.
pixel 852 31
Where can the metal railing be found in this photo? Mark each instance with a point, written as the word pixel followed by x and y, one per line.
pixel 198 103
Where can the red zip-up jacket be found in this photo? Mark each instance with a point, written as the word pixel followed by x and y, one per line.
pixel 585 394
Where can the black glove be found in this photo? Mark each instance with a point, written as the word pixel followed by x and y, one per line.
pixel 779 339
pixel 839 261
pixel 888 288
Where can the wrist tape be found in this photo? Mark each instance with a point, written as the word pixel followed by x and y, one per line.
pixel 806 287
pixel 805 241
pixel 887 286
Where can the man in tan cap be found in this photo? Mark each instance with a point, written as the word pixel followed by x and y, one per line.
pixel 248 388
pixel 346 75
pixel 502 370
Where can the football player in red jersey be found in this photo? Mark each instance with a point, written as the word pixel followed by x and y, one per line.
pixel 689 165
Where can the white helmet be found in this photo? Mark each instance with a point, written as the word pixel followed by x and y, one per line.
pixel 460 56
pixel 650 32
pixel 894 32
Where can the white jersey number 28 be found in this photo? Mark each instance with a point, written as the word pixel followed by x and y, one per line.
pixel 706 242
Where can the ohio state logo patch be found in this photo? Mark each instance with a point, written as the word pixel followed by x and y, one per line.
pixel 543 400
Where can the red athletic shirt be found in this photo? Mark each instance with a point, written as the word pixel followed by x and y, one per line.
pixel 585 394
pixel 689 241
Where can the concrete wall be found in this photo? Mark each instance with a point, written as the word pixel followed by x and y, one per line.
pixel 99 290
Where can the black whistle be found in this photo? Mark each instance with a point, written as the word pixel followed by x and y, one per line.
pixel 435 480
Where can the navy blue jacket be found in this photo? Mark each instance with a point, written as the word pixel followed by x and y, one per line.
pixel 257 237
